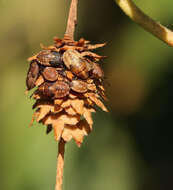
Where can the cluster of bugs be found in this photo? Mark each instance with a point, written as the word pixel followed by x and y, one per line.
pixel 63 72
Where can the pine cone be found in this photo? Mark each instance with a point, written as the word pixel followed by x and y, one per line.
pixel 69 83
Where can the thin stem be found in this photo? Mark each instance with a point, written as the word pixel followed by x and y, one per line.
pixel 72 19
pixel 60 165
pixel 71 23
pixel 158 30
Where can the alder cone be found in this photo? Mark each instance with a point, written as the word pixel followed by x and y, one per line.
pixel 69 86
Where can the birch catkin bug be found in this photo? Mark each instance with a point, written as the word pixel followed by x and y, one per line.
pixel 81 66
pixel 58 89
pixel 76 63
pixel 50 74
pixel 79 86
pixel 50 58
pixel 97 72
pixel 32 75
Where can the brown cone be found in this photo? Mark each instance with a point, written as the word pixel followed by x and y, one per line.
pixel 66 98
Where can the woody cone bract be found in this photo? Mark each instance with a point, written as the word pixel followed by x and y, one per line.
pixel 69 86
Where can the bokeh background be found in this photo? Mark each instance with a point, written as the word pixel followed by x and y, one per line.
pixel 130 148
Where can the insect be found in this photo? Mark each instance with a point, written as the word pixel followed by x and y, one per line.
pixel 50 74
pixel 32 75
pixel 76 63
pixel 50 58
pixel 79 86
pixel 97 72
pixel 81 66
pixel 60 89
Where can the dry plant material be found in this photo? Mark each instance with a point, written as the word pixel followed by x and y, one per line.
pixel 69 83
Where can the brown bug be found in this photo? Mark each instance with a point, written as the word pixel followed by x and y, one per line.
pixel 97 71
pixel 50 74
pixel 76 63
pixel 32 75
pixel 79 86
pixel 58 89
pixel 50 58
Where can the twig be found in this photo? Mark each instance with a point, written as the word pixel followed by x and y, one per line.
pixel 60 165
pixel 158 30
pixel 71 23
pixel 72 19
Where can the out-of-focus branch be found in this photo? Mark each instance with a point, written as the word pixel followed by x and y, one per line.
pixel 155 28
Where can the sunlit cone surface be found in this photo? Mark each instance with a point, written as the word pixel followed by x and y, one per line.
pixel 68 83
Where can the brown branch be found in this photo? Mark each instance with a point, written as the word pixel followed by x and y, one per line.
pixel 60 165
pixel 72 19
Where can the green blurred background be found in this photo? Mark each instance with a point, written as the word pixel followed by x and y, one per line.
pixel 130 148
